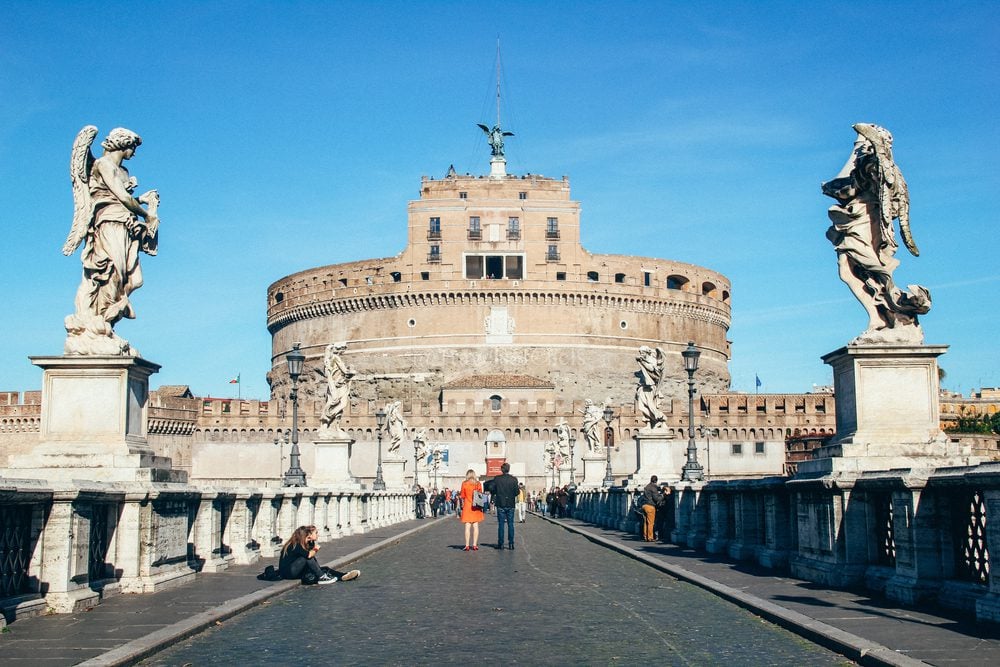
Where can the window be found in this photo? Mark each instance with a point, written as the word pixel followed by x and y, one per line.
pixel 513 229
pixel 676 282
pixel 425 275
pixel 552 228
pixel 343 282
pixel 560 275
pixel 758 448
pixel 495 403
pixel 434 228
pixel 619 277
pixel 435 254
pixel 475 231
pixel 494 267
pixel 647 278
pixel 463 195
pixel 396 276
pixel 708 289
pixel 226 407
pixel 737 449
pixel 522 195
pixel 553 254
pixel 593 276
pixel 514 265
pixel 279 297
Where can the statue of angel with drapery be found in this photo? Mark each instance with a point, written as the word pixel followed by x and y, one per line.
pixel 114 227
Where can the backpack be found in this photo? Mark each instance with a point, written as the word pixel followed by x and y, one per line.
pixel 269 574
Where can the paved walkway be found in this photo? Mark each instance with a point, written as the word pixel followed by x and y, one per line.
pixel 565 595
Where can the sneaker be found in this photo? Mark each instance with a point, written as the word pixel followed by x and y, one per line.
pixel 353 574
pixel 326 579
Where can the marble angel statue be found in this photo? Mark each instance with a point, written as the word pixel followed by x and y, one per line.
pixel 395 426
pixel 647 393
pixel 871 194
pixel 338 385
pixel 592 415
pixel 114 227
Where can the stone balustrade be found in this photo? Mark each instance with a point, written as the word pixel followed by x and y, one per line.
pixel 912 535
pixel 65 546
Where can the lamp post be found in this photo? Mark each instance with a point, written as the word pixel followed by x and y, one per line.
pixel 707 432
pixel 379 483
pixel 692 470
pixel 572 468
pixel 609 442
pixel 416 483
pixel 295 476
pixel 436 453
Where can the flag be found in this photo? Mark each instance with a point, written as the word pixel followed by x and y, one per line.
pixel 236 380
pixel 759 383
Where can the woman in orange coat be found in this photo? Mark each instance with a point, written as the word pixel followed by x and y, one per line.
pixel 470 515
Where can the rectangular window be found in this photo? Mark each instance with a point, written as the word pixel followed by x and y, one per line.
pixel 560 275
pixel 758 448
pixel 515 267
pixel 435 225
pixel 513 228
pixel 475 231
pixel 737 448
pixel 474 267
pixel 647 278
pixel 435 254
pixel 552 228
pixel 553 254
pixel 463 195
pixel 619 277
pixel 425 275
pixel 522 195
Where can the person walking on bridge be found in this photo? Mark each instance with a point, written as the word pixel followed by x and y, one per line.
pixel 469 515
pixel 651 499
pixel 505 489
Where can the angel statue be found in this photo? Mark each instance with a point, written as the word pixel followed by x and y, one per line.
pixel 338 386
pixel 395 426
pixel 871 193
pixel 420 443
pixel 562 438
pixel 113 227
pixel 647 392
pixel 495 138
pixel 591 418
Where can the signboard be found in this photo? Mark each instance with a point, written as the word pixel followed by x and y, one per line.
pixel 493 467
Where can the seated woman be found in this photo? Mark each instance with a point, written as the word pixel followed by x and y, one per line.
pixel 298 560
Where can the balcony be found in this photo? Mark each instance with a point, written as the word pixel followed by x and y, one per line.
pixel 434 235
pixel 513 234
pixel 434 258
pixel 552 234
pixel 552 256
pixel 475 235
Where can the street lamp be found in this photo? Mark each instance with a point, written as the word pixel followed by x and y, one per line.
pixel 437 464
pixel 416 483
pixel 379 484
pixel 295 476
pixel 609 442
pixel 692 470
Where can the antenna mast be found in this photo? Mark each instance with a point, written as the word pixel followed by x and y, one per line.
pixel 498 80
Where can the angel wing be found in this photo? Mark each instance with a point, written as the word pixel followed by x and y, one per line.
pixel 80 162
pixel 484 128
pixel 893 194
pixel 508 134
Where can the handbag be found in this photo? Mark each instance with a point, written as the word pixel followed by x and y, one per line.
pixel 478 500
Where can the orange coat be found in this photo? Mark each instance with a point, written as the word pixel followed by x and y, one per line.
pixel 470 515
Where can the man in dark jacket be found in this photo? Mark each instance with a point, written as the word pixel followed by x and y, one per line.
pixel 652 498
pixel 503 489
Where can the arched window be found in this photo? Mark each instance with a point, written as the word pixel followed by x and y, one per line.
pixel 676 282
pixel 495 403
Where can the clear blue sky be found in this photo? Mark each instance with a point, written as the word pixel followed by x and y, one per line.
pixel 284 136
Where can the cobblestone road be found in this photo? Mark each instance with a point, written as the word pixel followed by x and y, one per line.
pixel 557 599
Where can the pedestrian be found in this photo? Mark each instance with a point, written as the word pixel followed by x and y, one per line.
pixel 664 515
pixel 562 502
pixel 522 502
pixel 504 489
pixel 421 502
pixel 469 515
pixel 651 498
pixel 552 500
pixel 447 500
pixel 298 560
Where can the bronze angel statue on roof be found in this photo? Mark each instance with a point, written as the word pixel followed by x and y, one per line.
pixel 495 138
pixel 871 193
pixel 113 226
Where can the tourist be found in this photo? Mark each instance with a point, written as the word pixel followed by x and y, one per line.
pixel 449 504
pixel 504 490
pixel 522 502
pixel 298 560
pixel 469 515
pixel 421 498
pixel 651 499
pixel 664 515
pixel 562 502
pixel 552 500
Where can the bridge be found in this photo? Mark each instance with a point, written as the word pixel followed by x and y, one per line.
pixel 570 593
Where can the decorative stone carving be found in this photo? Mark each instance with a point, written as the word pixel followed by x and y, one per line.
pixel 562 439
pixel 420 443
pixel 395 426
pixel 591 418
pixel 338 386
pixel 647 393
pixel 871 193
pixel 113 227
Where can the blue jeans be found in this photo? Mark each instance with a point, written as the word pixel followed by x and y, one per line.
pixel 505 515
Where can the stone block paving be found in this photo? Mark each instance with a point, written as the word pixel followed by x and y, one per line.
pixel 557 599
pixel 927 633
pixel 69 639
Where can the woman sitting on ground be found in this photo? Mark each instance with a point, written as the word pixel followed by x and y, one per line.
pixel 298 560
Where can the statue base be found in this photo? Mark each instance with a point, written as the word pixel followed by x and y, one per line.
pixel 392 474
pixel 594 468
pixel 498 167
pixel 333 460
pixel 887 412
pixel 657 456
pixel 93 423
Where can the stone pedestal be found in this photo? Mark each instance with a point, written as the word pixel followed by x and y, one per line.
pixel 887 412
pixel 93 424
pixel 594 468
pixel 658 455
pixel 392 474
pixel 333 461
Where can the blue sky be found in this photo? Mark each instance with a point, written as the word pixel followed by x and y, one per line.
pixel 283 136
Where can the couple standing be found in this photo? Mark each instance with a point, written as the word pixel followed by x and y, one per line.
pixel 504 490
